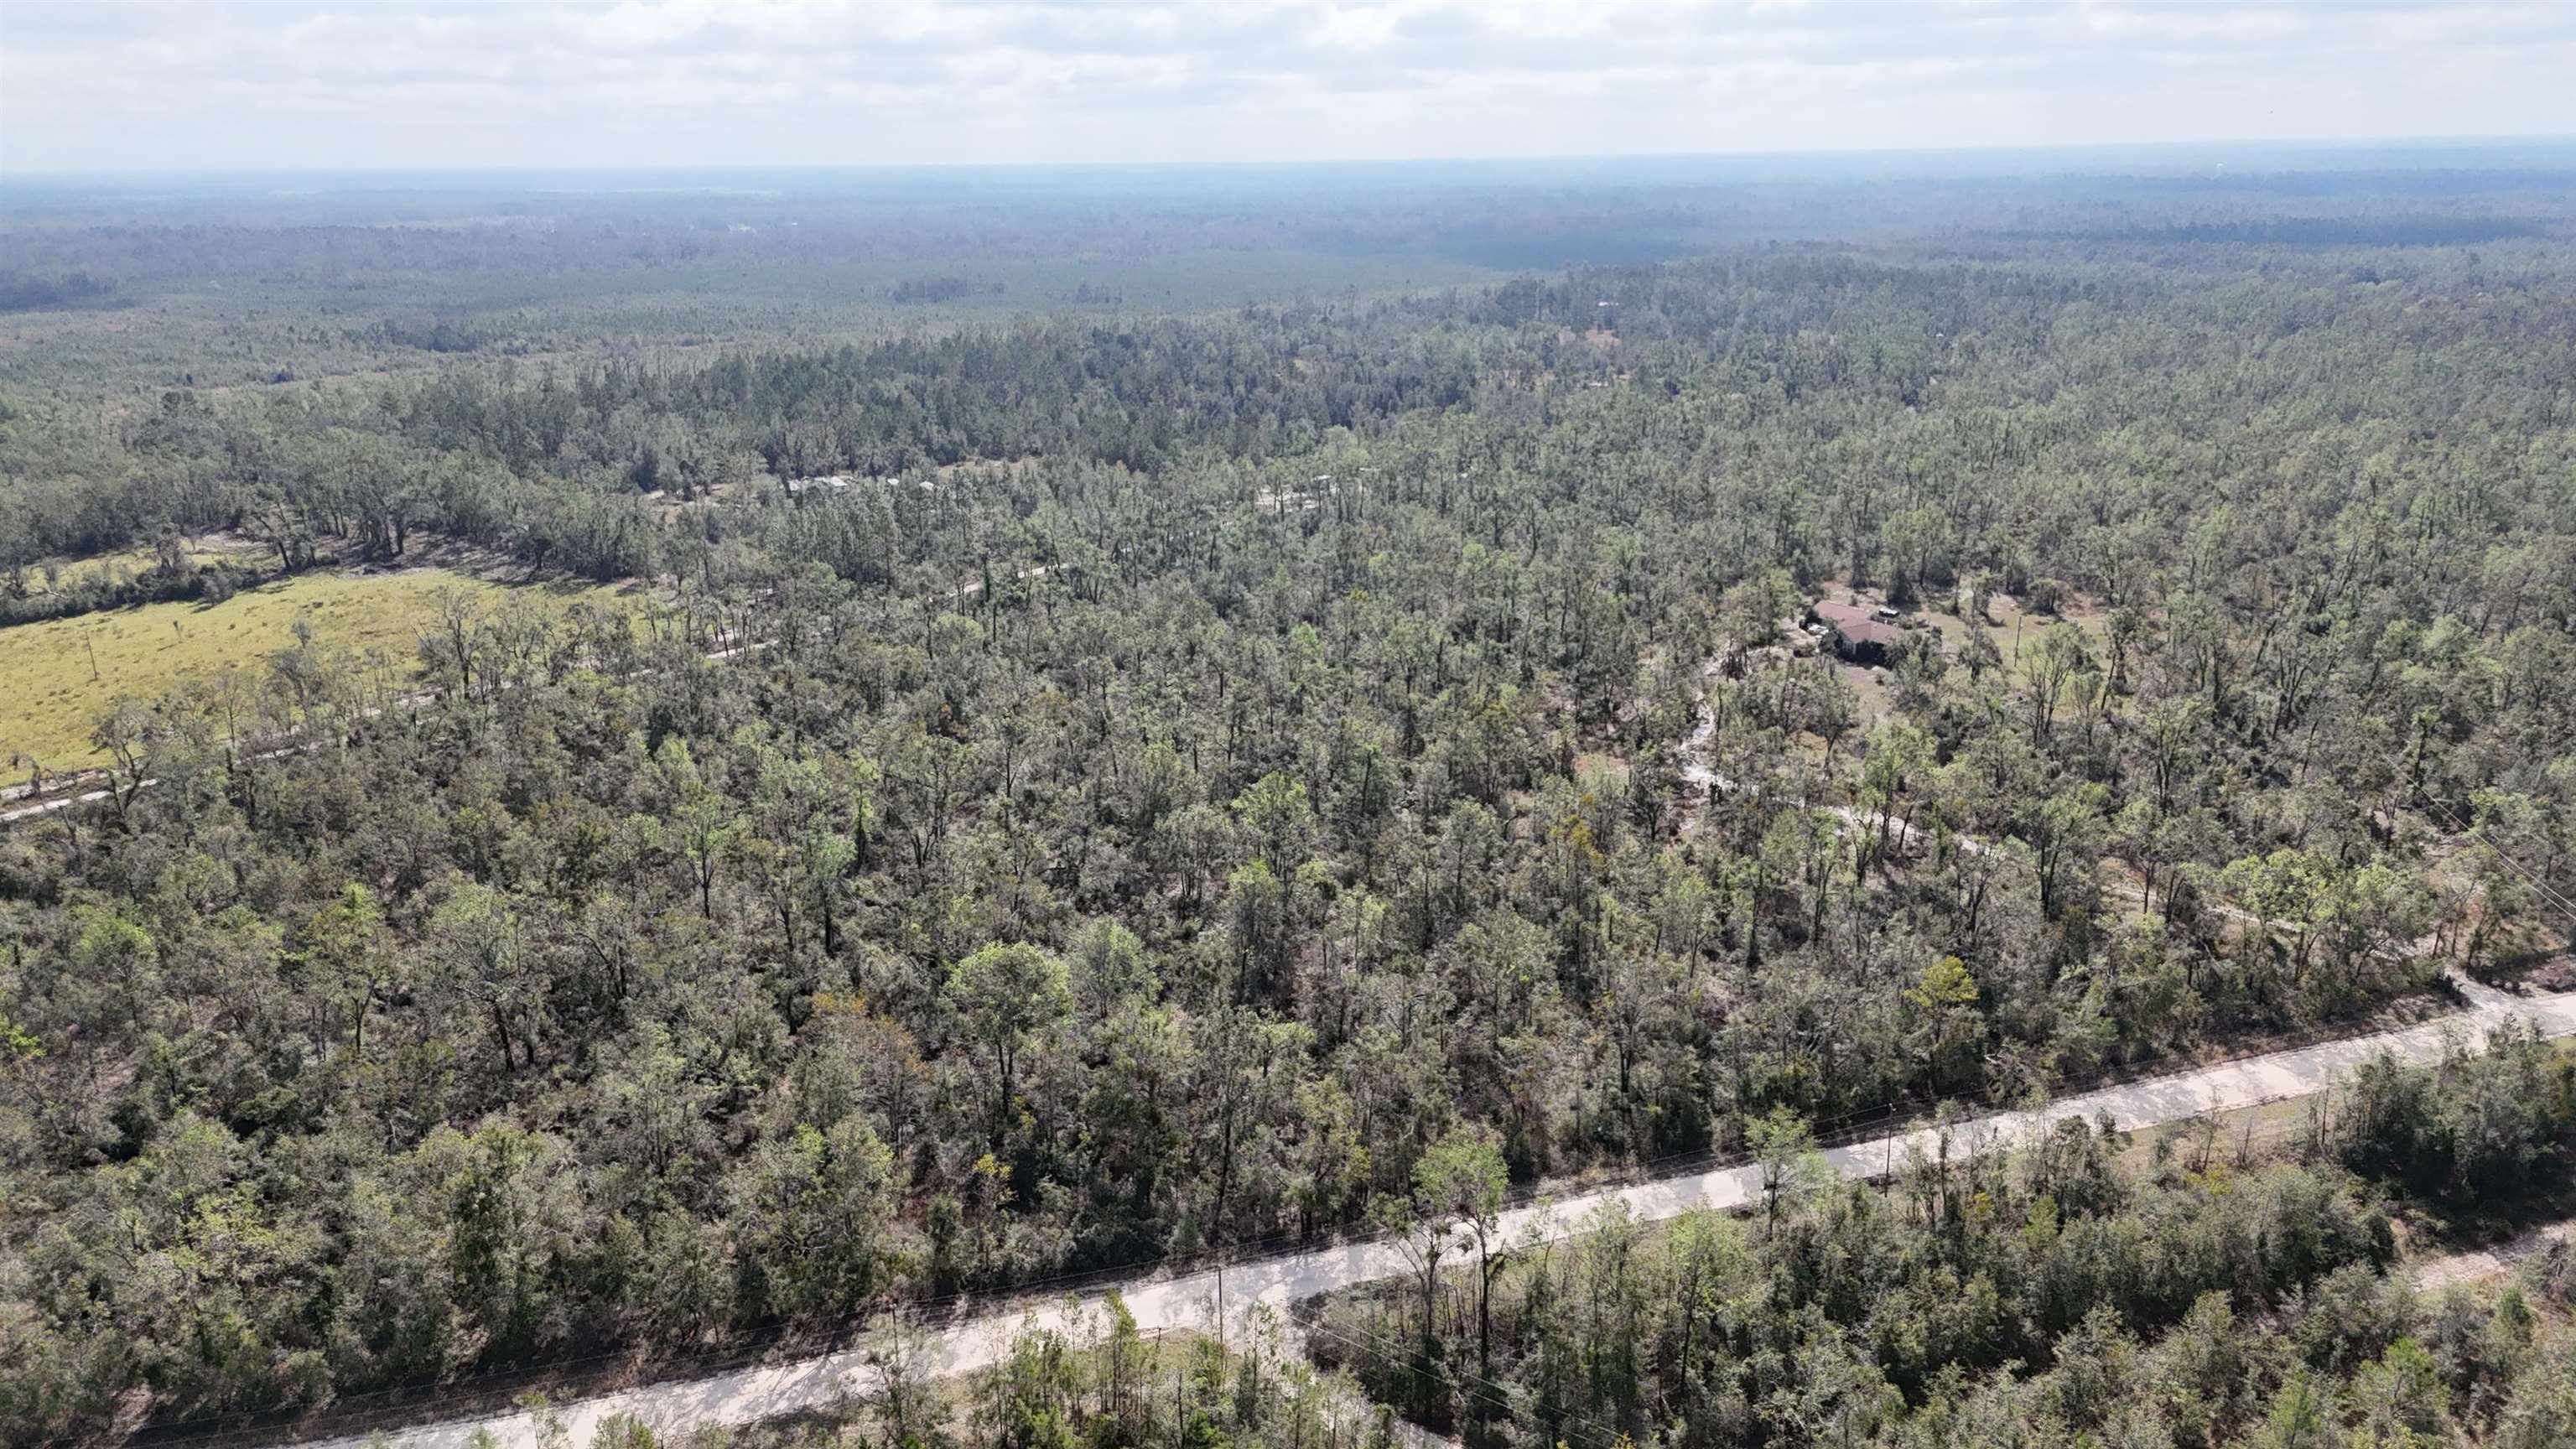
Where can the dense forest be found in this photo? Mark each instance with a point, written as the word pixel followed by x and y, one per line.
pixel 1154 780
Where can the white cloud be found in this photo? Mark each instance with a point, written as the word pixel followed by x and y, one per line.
pixel 161 83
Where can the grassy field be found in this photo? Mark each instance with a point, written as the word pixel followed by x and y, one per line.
pixel 2016 631
pixel 63 673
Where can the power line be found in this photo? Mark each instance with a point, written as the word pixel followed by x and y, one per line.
pixel 2475 834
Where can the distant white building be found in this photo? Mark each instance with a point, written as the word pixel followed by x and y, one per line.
pixel 843 483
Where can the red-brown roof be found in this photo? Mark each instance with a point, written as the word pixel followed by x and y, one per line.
pixel 1854 623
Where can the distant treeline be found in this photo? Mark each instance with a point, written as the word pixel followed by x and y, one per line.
pixel 25 292
pixel 438 334
pixel 2418 230
pixel 22 603
pixel 941 289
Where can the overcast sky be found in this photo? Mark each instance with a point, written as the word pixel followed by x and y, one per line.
pixel 250 84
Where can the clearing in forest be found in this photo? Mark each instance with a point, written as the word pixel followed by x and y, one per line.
pixel 63 673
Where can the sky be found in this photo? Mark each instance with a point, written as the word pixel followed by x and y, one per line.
pixel 180 85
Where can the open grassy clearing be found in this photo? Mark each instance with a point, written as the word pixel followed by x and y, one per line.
pixel 2016 631
pixel 1875 691
pixel 63 673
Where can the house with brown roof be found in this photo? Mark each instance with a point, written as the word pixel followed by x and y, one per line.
pixel 1861 634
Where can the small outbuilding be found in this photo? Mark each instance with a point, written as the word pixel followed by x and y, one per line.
pixel 1860 635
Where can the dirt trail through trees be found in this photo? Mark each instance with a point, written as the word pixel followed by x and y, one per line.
pixel 2480 1264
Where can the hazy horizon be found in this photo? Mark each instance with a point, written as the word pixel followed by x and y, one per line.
pixel 151 87
pixel 2307 153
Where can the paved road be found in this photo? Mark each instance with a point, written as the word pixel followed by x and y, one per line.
pixel 60 802
pixel 751 1394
